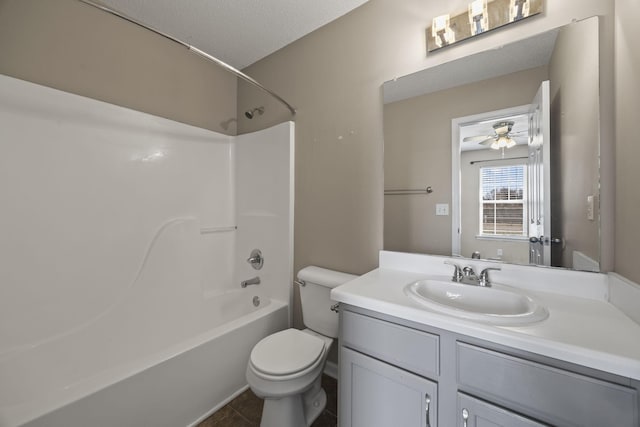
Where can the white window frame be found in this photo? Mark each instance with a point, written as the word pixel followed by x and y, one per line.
pixel 524 202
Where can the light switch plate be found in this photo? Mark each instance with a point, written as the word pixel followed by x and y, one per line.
pixel 442 209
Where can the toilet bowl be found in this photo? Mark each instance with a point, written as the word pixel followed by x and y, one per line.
pixel 285 368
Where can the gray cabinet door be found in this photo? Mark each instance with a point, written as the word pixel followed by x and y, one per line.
pixel 375 394
pixel 483 414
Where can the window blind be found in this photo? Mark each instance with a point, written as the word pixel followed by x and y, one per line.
pixel 503 200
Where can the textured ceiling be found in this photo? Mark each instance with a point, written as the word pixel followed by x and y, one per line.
pixel 239 32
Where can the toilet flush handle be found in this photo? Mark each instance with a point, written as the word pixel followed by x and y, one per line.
pixel 336 307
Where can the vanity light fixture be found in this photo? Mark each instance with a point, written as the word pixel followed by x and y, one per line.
pixel 518 9
pixel 478 17
pixel 441 31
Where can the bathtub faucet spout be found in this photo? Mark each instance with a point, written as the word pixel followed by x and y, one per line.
pixel 252 281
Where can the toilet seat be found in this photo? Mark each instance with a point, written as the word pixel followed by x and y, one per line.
pixel 286 355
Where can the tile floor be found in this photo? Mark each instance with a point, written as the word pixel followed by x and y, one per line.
pixel 246 409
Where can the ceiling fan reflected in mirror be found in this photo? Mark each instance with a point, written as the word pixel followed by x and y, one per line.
pixel 503 137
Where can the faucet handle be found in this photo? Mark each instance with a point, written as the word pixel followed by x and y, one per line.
pixel 457 273
pixel 484 276
pixel 256 259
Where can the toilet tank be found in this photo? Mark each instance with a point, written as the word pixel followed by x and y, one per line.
pixel 314 296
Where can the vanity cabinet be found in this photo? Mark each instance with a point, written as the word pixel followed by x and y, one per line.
pixel 396 372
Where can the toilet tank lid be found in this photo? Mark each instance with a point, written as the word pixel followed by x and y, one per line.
pixel 324 276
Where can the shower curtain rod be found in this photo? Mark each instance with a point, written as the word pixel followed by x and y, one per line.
pixel 195 50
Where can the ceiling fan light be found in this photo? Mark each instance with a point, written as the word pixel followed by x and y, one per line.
pixel 503 142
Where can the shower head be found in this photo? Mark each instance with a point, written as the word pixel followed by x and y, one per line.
pixel 251 113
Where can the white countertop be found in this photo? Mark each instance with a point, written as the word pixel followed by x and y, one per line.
pixel 587 331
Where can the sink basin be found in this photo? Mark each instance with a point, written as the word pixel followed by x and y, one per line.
pixel 498 304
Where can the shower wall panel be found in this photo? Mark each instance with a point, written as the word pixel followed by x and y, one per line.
pixel 85 187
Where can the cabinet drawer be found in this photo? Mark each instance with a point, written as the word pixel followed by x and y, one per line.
pixel 549 394
pixel 413 350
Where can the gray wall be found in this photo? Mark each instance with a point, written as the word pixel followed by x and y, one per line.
pixel 77 48
pixel 575 133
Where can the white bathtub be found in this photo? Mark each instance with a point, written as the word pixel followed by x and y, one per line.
pixel 132 381
pixel 164 353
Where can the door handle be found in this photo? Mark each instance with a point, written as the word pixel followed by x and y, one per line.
pixel 543 240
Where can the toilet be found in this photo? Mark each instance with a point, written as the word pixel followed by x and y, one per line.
pixel 285 368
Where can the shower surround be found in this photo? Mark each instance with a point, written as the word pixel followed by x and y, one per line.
pixel 124 242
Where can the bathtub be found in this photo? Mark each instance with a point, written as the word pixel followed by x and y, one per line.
pixel 67 382
pixel 164 353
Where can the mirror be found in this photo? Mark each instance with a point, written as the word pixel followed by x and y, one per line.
pixel 427 116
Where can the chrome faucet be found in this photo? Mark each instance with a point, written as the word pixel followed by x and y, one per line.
pixel 252 281
pixel 468 276
pixel 463 275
